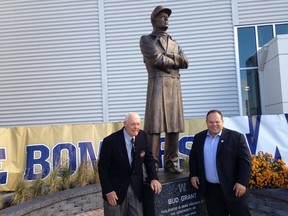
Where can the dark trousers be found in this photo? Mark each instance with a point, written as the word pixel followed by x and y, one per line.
pixel 218 205
pixel 130 207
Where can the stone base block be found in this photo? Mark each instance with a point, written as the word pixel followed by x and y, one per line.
pixel 178 197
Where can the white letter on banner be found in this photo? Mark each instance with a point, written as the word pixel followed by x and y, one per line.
pixel 238 123
pixel 273 133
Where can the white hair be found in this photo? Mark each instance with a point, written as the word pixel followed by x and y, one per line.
pixel 131 114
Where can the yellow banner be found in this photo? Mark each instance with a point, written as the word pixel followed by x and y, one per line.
pixel 27 151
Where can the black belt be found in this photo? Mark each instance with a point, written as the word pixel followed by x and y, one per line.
pixel 212 184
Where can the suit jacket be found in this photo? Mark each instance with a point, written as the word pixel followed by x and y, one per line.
pixel 233 161
pixel 114 168
pixel 164 111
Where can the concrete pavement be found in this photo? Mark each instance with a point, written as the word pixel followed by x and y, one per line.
pixel 99 212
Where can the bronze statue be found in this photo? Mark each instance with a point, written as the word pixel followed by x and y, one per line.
pixel 163 58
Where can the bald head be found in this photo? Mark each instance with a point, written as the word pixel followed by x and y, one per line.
pixel 131 115
pixel 132 123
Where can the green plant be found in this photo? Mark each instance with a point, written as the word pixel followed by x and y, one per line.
pixel 95 174
pixel 1 201
pixel 22 193
pixel 53 181
pixel 59 179
pixel 65 174
pixel 38 187
pixel 82 175
pixel 185 165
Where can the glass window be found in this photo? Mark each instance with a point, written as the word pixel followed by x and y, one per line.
pixel 250 92
pixel 265 34
pixel 247 47
pixel 281 29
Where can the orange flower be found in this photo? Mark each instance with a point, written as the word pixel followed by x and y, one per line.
pixel 267 172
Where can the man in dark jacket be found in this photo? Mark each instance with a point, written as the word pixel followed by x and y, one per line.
pixel 122 156
pixel 220 167
pixel 163 58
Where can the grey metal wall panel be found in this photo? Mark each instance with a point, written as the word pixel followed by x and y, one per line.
pixel 205 32
pixel 51 59
pixel 262 11
pixel 207 37
pixel 126 72
pixel 49 63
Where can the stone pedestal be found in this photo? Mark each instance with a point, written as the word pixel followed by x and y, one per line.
pixel 178 197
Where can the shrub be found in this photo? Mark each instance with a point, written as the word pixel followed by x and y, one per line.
pixel 22 192
pixel 38 187
pixel 82 175
pixel 54 181
pixel 65 175
pixel 59 179
pixel 267 172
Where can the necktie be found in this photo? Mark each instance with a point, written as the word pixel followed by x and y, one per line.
pixel 133 153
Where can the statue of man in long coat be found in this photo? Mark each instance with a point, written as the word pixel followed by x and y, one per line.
pixel 163 58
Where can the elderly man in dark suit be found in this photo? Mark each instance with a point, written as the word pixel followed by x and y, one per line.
pixel 220 167
pixel 163 58
pixel 120 168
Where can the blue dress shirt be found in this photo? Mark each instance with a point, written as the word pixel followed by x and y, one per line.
pixel 210 152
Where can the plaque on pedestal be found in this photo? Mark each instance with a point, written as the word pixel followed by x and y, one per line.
pixel 177 197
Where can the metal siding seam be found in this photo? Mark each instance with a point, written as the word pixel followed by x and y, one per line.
pixel 103 56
